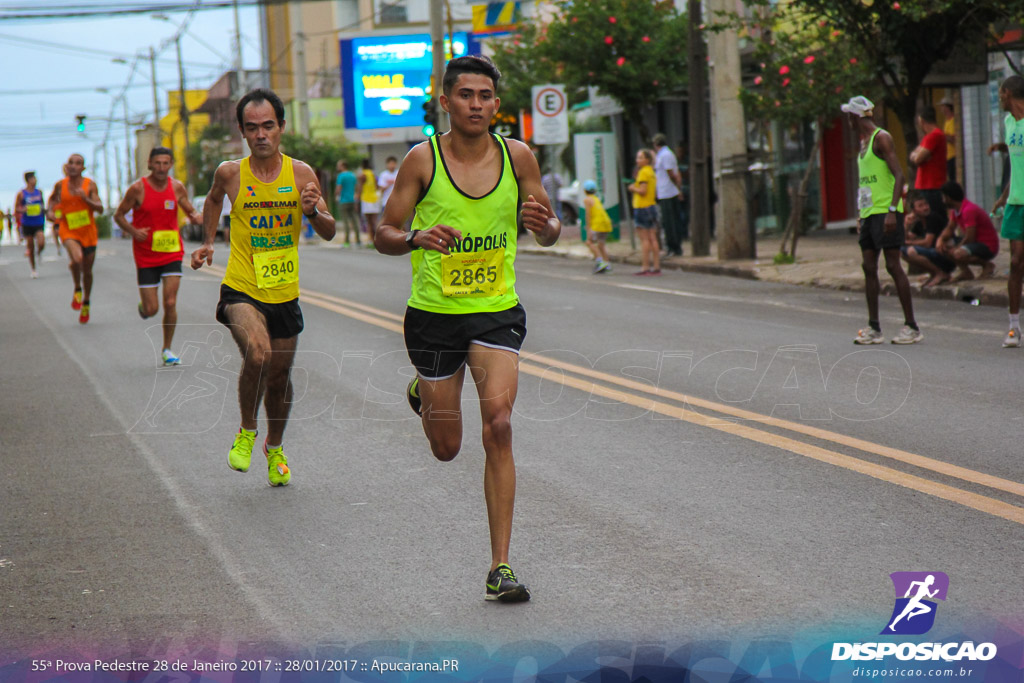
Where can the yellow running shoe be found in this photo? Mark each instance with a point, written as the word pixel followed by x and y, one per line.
pixel 240 454
pixel 278 473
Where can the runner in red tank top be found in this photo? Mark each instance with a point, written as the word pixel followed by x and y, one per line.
pixel 156 240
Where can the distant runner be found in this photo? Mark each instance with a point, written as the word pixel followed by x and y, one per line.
pixel 74 204
pixel 156 240
pixel 31 212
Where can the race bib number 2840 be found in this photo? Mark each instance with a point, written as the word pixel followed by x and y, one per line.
pixel 276 268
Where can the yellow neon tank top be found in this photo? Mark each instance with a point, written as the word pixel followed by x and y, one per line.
pixel 265 222
pixel 876 183
pixel 479 274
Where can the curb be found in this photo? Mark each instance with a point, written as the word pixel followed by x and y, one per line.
pixel 973 294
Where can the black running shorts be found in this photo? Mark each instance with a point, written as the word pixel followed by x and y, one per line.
pixel 873 236
pixel 150 277
pixel 438 343
pixel 284 320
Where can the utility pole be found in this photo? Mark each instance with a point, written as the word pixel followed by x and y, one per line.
pixel 437 52
pixel 127 140
pixel 240 84
pixel 184 111
pixel 106 172
pixel 157 134
pixel 299 75
pixel 700 215
pixel 729 144
pixel 117 153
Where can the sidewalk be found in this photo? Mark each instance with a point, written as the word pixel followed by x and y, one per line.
pixel 829 259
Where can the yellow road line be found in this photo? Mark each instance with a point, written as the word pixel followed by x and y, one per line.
pixel 867 446
pixel 1013 513
pixel 972 500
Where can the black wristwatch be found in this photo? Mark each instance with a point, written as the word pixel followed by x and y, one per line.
pixel 409 237
pixel 312 216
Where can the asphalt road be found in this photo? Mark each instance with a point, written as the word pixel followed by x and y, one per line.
pixel 698 457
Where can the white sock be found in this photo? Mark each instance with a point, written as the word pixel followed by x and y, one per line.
pixel 1015 320
pixel 270 448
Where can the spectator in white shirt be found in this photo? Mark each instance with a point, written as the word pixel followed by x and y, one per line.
pixel 668 191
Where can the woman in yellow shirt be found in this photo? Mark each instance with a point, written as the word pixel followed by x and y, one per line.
pixel 645 213
pixel 369 200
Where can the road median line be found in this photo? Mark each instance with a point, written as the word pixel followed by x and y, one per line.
pixel 539 366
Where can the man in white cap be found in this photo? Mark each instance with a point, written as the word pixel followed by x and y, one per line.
pixel 879 191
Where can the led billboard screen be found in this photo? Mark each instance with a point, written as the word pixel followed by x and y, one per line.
pixel 386 79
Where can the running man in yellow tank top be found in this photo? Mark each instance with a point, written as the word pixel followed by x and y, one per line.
pixel 879 199
pixel 465 187
pixel 259 296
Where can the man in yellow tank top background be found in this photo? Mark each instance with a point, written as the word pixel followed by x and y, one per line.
pixel 259 297
pixel 465 186
pixel 879 199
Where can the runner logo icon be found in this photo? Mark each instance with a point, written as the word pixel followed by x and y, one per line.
pixel 916 592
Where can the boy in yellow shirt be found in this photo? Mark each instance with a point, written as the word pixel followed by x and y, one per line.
pixel 598 224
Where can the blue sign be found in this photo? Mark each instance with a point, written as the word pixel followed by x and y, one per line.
pixel 386 79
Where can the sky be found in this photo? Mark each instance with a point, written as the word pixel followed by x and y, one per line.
pixel 52 69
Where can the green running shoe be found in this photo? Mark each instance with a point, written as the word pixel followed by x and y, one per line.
pixel 278 473
pixel 503 586
pixel 241 451
pixel 413 394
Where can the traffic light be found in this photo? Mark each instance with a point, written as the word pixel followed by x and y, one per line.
pixel 429 117
pixel 81 123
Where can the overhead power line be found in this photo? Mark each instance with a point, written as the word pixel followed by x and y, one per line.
pixel 79 50
pixel 78 10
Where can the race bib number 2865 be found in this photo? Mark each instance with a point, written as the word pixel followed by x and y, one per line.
pixel 473 274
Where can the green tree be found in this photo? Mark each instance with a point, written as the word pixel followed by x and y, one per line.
pixel 805 73
pixel 323 156
pixel 524 63
pixel 206 153
pixel 632 50
pixel 902 40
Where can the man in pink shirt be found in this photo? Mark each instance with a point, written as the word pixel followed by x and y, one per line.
pixel 980 243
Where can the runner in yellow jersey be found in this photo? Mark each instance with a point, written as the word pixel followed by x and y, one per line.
pixel 465 187
pixel 259 296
